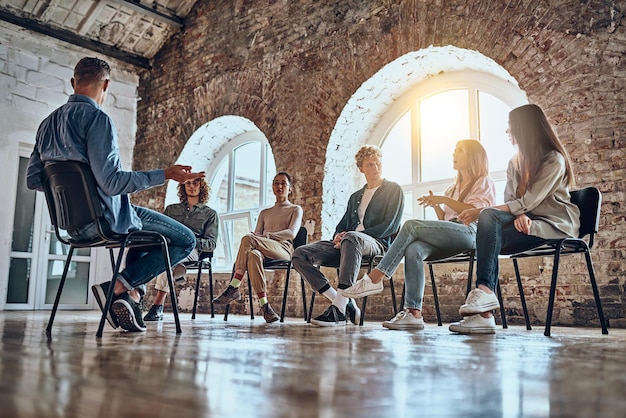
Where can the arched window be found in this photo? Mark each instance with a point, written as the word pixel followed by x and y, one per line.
pixel 419 132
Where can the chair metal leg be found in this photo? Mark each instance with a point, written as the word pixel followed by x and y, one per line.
pixel 393 296
pixel 57 298
pixel 110 293
pixel 211 287
pixel 250 298
pixel 521 294
pixel 304 300
pixel 402 298
pixel 170 280
pixel 502 313
pixel 227 308
pixel 363 306
pixel 470 273
pixel 195 297
pixel 555 271
pixel 310 315
pixel 596 294
pixel 434 285
pixel 285 292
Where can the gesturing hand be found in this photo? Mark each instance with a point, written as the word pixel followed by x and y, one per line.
pixel 181 173
pixel 430 199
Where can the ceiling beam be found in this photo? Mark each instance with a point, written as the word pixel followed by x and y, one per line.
pixel 152 12
pixel 72 38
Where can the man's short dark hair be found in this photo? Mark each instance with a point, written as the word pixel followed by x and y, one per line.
pixel 90 70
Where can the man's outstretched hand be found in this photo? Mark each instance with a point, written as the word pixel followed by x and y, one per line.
pixel 181 173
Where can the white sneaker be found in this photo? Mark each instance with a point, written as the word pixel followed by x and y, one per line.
pixel 362 288
pixel 474 324
pixel 404 320
pixel 478 301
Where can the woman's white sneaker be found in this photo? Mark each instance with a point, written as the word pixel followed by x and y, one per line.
pixel 362 288
pixel 474 324
pixel 478 301
pixel 404 320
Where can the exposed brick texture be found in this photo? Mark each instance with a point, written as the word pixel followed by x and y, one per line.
pixel 290 67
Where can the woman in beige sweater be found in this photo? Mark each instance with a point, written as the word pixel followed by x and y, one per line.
pixel 276 228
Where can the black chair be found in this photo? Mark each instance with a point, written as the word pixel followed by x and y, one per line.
pixel 462 257
pixel 301 239
pixel 269 264
pixel 205 260
pixel 369 263
pixel 588 201
pixel 72 198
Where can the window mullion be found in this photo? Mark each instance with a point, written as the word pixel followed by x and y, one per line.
pixel 473 113
pixel 231 181
pixel 415 155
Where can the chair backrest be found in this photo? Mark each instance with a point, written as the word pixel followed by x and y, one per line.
pixel 589 201
pixel 71 194
pixel 301 238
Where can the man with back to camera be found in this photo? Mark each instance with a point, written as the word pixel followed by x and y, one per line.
pixel 81 131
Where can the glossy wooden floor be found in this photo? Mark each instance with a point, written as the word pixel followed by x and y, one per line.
pixel 245 368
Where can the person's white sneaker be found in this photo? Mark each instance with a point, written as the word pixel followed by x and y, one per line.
pixel 478 301
pixel 474 324
pixel 404 320
pixel 362 288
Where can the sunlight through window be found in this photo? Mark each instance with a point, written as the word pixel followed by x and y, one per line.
pixel 418 146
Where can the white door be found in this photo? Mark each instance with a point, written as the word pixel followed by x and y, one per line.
pixel 37 257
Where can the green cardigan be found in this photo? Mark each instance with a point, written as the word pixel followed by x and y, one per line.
pixel 382 216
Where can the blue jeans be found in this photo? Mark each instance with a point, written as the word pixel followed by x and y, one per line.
pixel 418 240
pixel 308 258
pixel 145 263
pixel 497 235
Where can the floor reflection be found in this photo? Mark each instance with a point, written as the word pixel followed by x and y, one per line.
pixel 250 369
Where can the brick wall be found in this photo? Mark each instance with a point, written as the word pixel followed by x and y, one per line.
pixel 290 67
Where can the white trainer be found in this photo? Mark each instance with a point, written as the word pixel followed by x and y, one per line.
pixel 404 320
pixel 474 324
pixel 478 301
pixel 362 288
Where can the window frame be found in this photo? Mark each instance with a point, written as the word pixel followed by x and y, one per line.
pixel 474 82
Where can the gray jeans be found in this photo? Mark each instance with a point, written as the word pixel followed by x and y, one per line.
pixel 307 259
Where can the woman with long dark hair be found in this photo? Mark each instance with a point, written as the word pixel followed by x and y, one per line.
pixel 537 207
